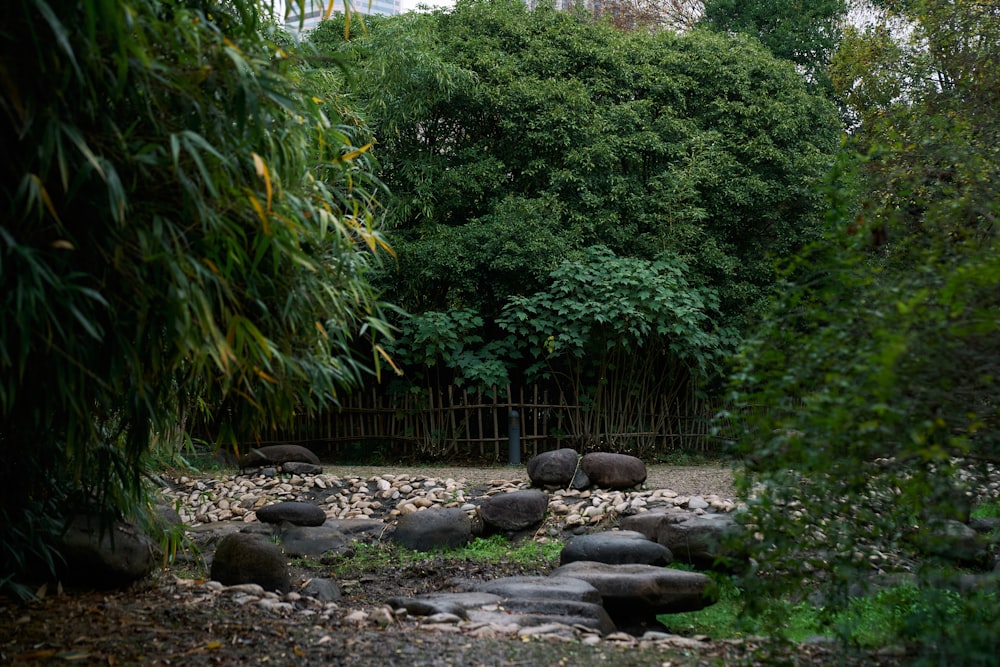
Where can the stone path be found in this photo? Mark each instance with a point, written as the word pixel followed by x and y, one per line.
pixel 229 503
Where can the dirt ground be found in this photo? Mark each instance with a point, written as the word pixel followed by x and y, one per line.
pixel 158 623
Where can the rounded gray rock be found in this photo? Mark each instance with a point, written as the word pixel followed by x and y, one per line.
pixel 514 511
pixel 613 471
pixel 555 468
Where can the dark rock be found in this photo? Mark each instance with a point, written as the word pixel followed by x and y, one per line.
pixel 111 556
pixel 323 590
pixel 563 588
pixel 246 558
pixel 165 517
pixel 514 511
pixel 984 524
pixel 615 547
pixel 580 480
pixel 297 513
pixel 555 468
pixel 703 540
pixel 635 594
pixel 538 611
pixel 313 540
pixel 274 455
pixel 952 540
pixel 300 468
pixel 434 528
pixel 613 471
pixel 532 601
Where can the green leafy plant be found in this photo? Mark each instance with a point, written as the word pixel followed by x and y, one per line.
pixel 183 225
pixel 618 333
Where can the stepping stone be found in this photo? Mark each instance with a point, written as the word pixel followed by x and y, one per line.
pixel 613 471
pixel 535 601
pixel 514 511
pixel 534 612
pixel 702 540
pixel 635 594
pixel 555 468
pixel 294 512
pixel 564 588
pixel 457 604
pixel 615 547
pixel 434 528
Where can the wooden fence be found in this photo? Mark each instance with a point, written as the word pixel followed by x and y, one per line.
pixel 460 423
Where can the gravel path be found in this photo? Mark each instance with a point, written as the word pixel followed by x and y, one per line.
pixel 685 480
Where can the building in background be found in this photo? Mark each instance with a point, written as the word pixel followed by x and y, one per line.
pixel 315 10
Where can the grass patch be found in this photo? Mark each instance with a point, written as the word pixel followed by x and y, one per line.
pixel 987 510
pixel 494 549
pixel 725 618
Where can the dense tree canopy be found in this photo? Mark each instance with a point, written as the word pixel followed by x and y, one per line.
pixel 182 226
pixel 517 139
pixel 806 33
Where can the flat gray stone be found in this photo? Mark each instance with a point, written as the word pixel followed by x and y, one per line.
pixel 294 512
pixel 635 594
pixel 456 604
pixel 562 588
pixel 615 547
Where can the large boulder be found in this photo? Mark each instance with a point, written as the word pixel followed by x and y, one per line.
pixel 613 471
pixel 514 511
pixel 274 455
pixel 555 468
pixel 615 547
pixel 702 540
pixel 296 513
pixel 634 595
pixel 434 528
pixel 247 558
pixel 106 556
